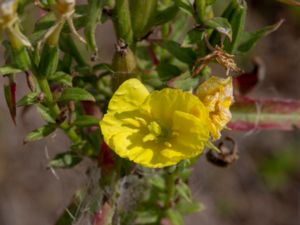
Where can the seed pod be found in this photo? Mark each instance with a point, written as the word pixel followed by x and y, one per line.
pixel 142 16
pixel 49 61
pixel 20 55
pixel 49 58
pixel 94 12
pixel 122 21
pixel 200 10
pixel 237 21
pixel 124 65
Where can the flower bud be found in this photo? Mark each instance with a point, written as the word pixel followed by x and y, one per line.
pixel 200 10
pixel 142 15
pixel 122 21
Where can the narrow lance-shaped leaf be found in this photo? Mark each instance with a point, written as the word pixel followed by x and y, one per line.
pixel 175 217
pixel 61 78
pixel 86 121
pixel 28 99
pixel 76 94
pixel 215 38
pixel 184 81
pixel 65 160
pixel 40 133
pixel 45 113
pixel 10 97
pixel 186 55
pixel 166 15
pixel 221 25
pixel 185 5
pixel 249 39
pixel 237 21
pixel 253 114
pixel 9 69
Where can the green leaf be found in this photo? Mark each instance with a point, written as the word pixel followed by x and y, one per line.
pixel 249 39
pixel 40 133
pixel 45 22
pixel 42 26
pixel 186 55
pixel 167 71
pixel 152 80
pixel 185 82
pixel 28 99
pixel 179 27
pixel 175 217
pixel 61 78
pixel 166 15
pixel 185 207
pixel 86 121
pixel 147 217
pixel 45 113
pixel 9 69
pixel 194 36
pixel 221 25
pixel 76 94
pixel 185 5
pixel 103 66
pixel 184 191
pixel 65 160
pixel 158 182
pixel 237 20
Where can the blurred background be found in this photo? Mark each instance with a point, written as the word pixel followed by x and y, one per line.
pixel 261 188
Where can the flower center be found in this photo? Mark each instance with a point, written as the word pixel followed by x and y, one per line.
pixel 157 133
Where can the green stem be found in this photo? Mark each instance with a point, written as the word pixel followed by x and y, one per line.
pixel 170 188
pixel 55 111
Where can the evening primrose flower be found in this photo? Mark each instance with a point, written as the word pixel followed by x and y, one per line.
pixel 217 95
pixel 158 129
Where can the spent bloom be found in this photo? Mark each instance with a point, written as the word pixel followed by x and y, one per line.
pixel 155 129
pixel 9 22
pixel 217 95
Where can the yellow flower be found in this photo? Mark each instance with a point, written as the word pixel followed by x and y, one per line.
pixel 216 94
pixel 157 129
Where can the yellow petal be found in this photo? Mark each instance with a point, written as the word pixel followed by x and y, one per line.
pixel 129 96
pixel 193 133
pixel 162 104
pixel 122 113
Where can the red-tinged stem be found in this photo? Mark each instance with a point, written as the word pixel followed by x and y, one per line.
pixel 153 56
pixel 276 114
